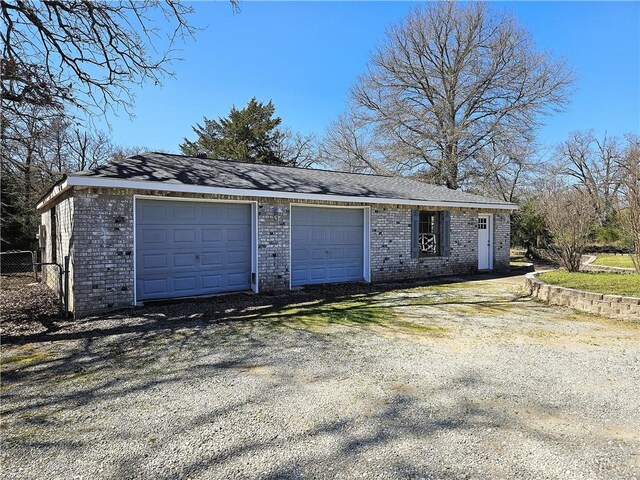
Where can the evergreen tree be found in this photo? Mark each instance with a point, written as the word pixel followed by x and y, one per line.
pixel 250 134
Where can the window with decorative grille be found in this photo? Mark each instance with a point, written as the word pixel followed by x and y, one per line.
pixel 429 234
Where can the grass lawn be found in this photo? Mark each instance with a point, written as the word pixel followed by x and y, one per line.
pixel 607 283
pixel 612 260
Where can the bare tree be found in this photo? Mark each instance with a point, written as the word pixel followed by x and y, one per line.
pixel 35 152
pixel 86 55
pixel 569 217
pixel 296 149
pixel 504 170
pixel 594 164
pixel 349 146
pixel 449 81
pixel 629 214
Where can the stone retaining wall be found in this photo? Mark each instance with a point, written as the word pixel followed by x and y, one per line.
pixel 588 266
pixel 614 306
pixel 607 269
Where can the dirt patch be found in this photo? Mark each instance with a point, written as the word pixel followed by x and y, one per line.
pixel 28 309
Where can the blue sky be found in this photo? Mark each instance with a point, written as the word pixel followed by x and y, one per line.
pixel 305 56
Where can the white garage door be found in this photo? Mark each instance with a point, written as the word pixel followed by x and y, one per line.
pixel 327 245
pixel 191 248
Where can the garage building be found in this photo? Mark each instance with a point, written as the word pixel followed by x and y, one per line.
pixel 159 226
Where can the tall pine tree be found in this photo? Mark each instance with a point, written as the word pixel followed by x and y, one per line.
pixel 250 134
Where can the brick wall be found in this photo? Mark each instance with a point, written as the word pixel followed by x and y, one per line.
pixel 501 240
pixel 102 246
pixel 391 245
pixel 273 245
pixel 103 253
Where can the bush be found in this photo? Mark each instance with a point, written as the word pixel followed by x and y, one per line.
pixel 618 248
pixel 527 226
pixel 607 234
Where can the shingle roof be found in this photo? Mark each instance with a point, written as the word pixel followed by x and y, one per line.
pixel 178 169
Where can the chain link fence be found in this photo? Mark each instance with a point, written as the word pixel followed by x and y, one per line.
pixel 19 268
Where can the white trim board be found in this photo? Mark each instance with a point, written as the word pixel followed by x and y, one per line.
pixel 86 181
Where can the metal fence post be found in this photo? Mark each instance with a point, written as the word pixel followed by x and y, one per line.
pixel 66 287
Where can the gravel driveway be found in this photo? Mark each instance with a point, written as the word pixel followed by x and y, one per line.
pixel 466 379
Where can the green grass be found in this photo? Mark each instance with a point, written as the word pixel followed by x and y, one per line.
pixel 607 283
pixel 612 260
pixel 23 359
pixel 375 312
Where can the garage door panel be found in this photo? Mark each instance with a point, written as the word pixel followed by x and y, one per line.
pixel 353 271
pixel 211 281
pixel 184 213
pixel 317 273
pixel 337 253
pixel 318 216
pixel 237 258
pixel 353 237
pixel 237 279
pixel 211 259
pixel 317 254
pixel 181 260
pixel 192 248
pixel 237 214
pixel 154 260
pixel 336 236
pixel 327 245
pixel 154 286
pixel 186 284
pixel 153 213
pixel 186 235
pixel 298 254
pixel 211 235
pixel 318 235
pixel 211 213
pixel 298 276
pixel 337 272
pixel 154 235
pixel 236 234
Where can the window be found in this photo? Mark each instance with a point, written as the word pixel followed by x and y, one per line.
pixel 429 234
pixel 482 223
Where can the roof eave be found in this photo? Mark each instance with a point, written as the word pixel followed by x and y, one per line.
pixel 101 182
pixel 55 191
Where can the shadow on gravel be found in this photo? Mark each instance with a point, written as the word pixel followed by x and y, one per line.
pixel 131 342
pixel 403 420
pixel 194 312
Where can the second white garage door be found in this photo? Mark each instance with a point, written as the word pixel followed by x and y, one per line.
pixel 327 245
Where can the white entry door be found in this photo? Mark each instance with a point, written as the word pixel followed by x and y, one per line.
pixel 485 242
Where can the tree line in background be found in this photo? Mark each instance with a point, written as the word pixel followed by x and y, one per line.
pixel 587 195
pixel 36 153
pixel 453 96
pixel 62 63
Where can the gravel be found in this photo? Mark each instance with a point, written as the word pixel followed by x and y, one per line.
pixel 461 380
